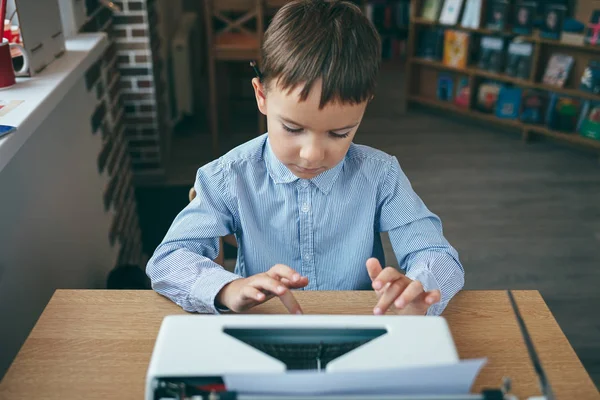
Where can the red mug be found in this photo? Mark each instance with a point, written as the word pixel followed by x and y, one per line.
pixel 7 72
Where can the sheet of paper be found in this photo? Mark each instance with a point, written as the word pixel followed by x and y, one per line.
pixel 455 379
pixel 7 106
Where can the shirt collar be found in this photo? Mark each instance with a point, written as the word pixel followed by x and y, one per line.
pixel 281 174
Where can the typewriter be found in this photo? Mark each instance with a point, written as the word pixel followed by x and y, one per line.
pixel 194 354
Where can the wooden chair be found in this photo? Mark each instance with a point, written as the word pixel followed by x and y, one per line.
pixel 232 42
pixel 230 239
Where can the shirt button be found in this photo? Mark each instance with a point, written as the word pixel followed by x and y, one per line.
pixel 304 183
pixel 305 207
pixel 307 257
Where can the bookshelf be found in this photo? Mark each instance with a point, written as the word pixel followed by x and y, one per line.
pixel 422 76
pixel 527 129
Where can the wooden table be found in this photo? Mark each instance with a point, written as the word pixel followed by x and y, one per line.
pixel 97 344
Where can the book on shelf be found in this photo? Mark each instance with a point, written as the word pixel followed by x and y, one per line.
pixel 589 123
pixel 572 38
pixel 524 17
pixel 497 16
pixel 563 113
pixel 431 44
pixel 463 92
pixel 592 35
pixel 391 20
pixel 590 79
pixel 451 12
pixel 533 106
pixel 491 54
pixel 392 47
pixel 519 59
pixel 552 24
pixel 508 104
pixel 431 10
pixel 558 69
pixel 456 48
pixel 445 87
pixel 472 14
pixel 487 96
pixel 402 15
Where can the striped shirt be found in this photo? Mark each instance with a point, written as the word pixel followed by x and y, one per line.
pixel 325 228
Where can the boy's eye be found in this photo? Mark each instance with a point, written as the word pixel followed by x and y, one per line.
pixel 339 135
pixel 332 134
pixel 292 130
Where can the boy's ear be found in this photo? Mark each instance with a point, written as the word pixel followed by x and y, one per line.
pixel 259 93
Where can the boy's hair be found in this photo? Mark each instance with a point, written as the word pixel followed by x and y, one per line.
pixel 330 40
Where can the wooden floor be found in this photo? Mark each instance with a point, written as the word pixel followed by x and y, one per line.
pixel 522 216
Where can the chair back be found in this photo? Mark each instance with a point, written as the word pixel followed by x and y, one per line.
pixel 234 25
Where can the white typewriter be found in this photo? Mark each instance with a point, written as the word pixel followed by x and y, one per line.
pixel 199 357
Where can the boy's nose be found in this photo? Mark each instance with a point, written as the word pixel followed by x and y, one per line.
pixel 312 153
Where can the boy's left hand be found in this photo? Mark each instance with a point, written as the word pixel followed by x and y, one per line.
pixel 395 289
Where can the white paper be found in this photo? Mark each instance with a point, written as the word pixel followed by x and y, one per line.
pixel 452 379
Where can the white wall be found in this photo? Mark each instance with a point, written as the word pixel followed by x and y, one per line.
pixel 53 227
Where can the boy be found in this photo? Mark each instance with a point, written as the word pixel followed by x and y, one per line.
pixel 307 205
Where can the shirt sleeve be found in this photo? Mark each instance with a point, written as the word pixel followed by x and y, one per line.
pixel 181 267
pixel 417 238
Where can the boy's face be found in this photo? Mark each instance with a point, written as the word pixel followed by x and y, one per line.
pixel 307 140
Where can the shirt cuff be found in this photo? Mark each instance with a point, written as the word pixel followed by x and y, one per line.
pixel 424 275
pixel 206 288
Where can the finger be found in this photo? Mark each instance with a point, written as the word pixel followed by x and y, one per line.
pixel 433 297
pixel 295 285
pixel 373 268
pixel 290 302
pixel 280 271
pixel 253 294
pixel 390 293
pixel 414 289
pixel 389 274
pixel 266 284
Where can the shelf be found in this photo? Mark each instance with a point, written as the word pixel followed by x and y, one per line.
pixel 506 78
pixel 484 31
pixel 533 38
pixel 439 65
pixel 421 75
pixel 558 43
pixel 574 138
pixel 568 92
pixel 447 106
pixel 502 77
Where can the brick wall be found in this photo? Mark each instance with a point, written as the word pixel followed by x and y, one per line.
pixel 105 80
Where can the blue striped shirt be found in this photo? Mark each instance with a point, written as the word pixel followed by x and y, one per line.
pixel 325 228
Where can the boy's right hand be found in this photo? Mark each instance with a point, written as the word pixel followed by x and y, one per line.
pixel 242 294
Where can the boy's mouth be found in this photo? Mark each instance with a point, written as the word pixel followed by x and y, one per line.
pixel 308 170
